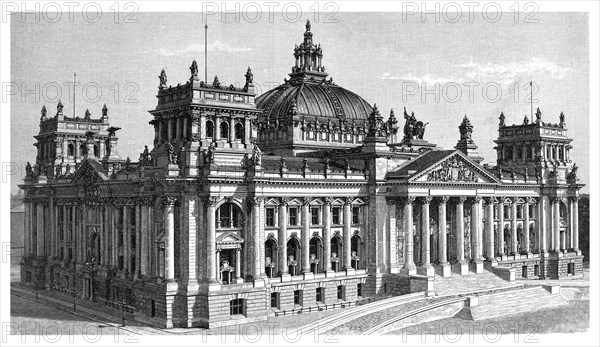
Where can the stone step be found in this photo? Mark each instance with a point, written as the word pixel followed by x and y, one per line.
pixel 469 283
pixel 514 302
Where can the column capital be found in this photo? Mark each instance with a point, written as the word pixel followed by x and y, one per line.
pixel 408 200
pixel 284 201
pixel 461 199
pixel 574 198
pixel 348 200
pixel 327 200
pixel 476 199
pixel 391 200
pixel 211 200
pixel 425 200
pixel 306 201
pixel 443 200
pixel 557 199
pixel 490 200
pixel 254 201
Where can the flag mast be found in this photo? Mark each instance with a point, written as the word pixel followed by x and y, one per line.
pixel 205 53
pixel 74 79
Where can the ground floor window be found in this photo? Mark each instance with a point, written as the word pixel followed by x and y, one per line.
pixel 536 270
pixel 297 297
pixel 152 308
pixel 359 290
pixel 236 307
pixel 571 268
pixel 320 294
pixel 274 300
pixel 340 292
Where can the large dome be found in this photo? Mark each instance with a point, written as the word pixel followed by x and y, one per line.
pixel 313 100
pixel 309 94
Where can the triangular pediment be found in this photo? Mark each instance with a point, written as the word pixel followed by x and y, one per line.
pixel 89 172
pixel 454 168
pixel 229 238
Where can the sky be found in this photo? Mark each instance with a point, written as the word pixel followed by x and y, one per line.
pixel 441 71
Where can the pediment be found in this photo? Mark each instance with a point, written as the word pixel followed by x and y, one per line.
pixel 455 168
pixel 89 172
pixel 229 238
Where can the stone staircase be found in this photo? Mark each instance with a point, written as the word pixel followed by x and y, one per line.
pixel 513 302
pixel 457 284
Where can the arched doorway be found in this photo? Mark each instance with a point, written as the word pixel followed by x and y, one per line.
pixel 336 252
pixel 293 254
pixel 270 257
pixel 316 254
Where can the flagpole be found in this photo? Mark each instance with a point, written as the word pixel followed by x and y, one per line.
pixel 205 53
pixel 531 98
pixel 74 79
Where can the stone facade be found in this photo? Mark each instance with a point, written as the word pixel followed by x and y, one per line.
pixel 226 221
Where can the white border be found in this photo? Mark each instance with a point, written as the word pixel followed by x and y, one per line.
pixel 589 338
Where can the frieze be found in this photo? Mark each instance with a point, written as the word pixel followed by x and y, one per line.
pixel 453 170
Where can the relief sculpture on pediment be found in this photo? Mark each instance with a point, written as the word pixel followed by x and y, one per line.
pixel 452 170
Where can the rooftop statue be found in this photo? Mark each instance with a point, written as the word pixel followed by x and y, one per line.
pixel 194 68
pixel 413 129
pixel 162 78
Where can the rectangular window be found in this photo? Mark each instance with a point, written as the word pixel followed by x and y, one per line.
pixel 335 215
pixel 275 300
pixel 314 215
pixel 297 297
pixel 340 292
pixel 355 214
pixel 506 212
pixel 520 211
pixel 236 307
pixel 359 290
pixel 152 308
pixel 293 216
pixel 270 217
pixel 319 294
pixel 531 210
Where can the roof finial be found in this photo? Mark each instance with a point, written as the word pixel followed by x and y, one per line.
pixel 307 25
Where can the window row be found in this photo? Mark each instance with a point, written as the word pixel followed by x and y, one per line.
pixel 316 216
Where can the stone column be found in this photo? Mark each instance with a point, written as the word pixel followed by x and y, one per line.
pixel 40 229
pixel 501 227
pixel 575 229
pixel 238 263
pixel 282 238
pixel 515 241
pixel 347 234
pixel 257 272
pixel 425 268
pixel 306 236
pixel 211 239
pixel 556 223
pixel 327 236
pixel 231 129
pixel 170 234
pixel 462 267
pixel 27 226
pixel 476 235
pixel 442 239
pixel 392 236
pixel 145 231
pixel 409 262
pixel 526 247
pixel 489 229
pixel 541 221
pixel 169 130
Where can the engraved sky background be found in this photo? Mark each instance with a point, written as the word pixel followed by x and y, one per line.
pixel 371 54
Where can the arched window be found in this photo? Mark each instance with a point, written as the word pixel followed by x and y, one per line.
pixel 96 151
pixel 210 129
pixel 270 257
pixel 293 253
pixel 316 254
pixel 239 131
pixel 71 150
pixel 224 130
pixel 520 153
pixel 229 216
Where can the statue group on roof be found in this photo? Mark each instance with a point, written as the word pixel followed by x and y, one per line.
pixel 413 129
